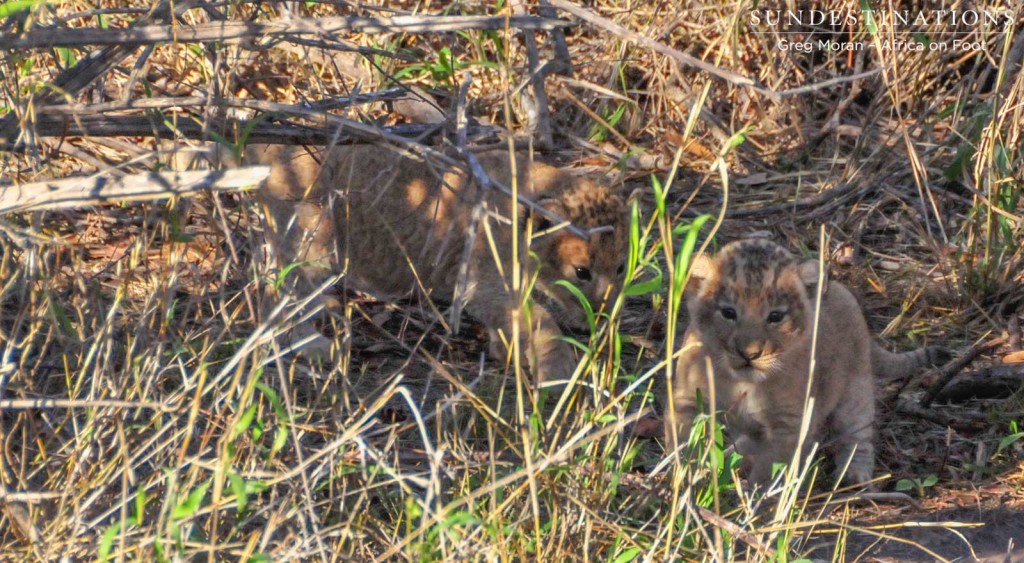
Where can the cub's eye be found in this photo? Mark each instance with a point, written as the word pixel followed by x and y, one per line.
pixel 621 269
pixel 775 317
pixel 728 313
pixel 582 273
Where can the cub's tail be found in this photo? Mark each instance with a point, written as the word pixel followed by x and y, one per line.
pixel 891 365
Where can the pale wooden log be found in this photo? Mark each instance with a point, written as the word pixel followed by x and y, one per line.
pixel 78 192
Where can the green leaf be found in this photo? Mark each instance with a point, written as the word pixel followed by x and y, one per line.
pixel 460 518
pixel 12 7
pixel 107 541
pixel 616 116
pixel 737 139
pixel 1001 160
pixel 584 302
pixel 628 555
pixel 140 502
pixel 644 288
pixel 191 504
pixel 243 424
pixel 1008 441
pixel 67 56
pixel 257 431
pixel 905 485
pixel 62 317
pixel 281 436
pixel 930 480
pixel 283 275
pixel 659 195
pixel 238 487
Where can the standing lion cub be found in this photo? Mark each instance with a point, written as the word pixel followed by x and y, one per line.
pixel 394 225
pixel 752 319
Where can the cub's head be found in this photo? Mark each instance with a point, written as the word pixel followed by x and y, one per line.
pixel 754 301
pixel 594 264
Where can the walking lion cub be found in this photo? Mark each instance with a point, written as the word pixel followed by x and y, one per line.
pixel 752 321
pixel 395 225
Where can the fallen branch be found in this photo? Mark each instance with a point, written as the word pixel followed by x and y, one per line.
pixel 170 102
pixel 266 133
pixel 993 382
pixel 77 192
pixel 949 371
pixel 230 32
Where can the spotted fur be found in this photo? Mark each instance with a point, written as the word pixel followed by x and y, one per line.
pixel 396 225
pixel 752 315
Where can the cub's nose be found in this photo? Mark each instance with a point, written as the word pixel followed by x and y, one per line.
pixel 750 351
pixel 605 289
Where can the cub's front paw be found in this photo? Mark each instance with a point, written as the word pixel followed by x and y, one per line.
pixel 556 363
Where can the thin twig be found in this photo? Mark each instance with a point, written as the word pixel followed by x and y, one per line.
pixel 230 32
pixel 39 404
pixel 459 295
pixel 828 83
pixel 538 119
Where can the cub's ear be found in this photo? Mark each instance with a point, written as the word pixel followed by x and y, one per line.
pixel 701 268
pixel 809 274
pixel 542 222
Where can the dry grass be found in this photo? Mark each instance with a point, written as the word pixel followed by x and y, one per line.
pixel 177 429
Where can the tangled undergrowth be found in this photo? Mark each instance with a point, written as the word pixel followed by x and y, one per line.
pixel 148 413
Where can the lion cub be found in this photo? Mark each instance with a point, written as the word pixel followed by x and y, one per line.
pixel 752 317
pixel 394 225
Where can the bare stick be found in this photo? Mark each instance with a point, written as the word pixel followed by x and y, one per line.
pixel 949 371
pixel 77 192
pixel 459 296
pixel 36 404
pixel 829 83
pixel 538 119
pixel 563 61
pixel 199 101
pixel 229 32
